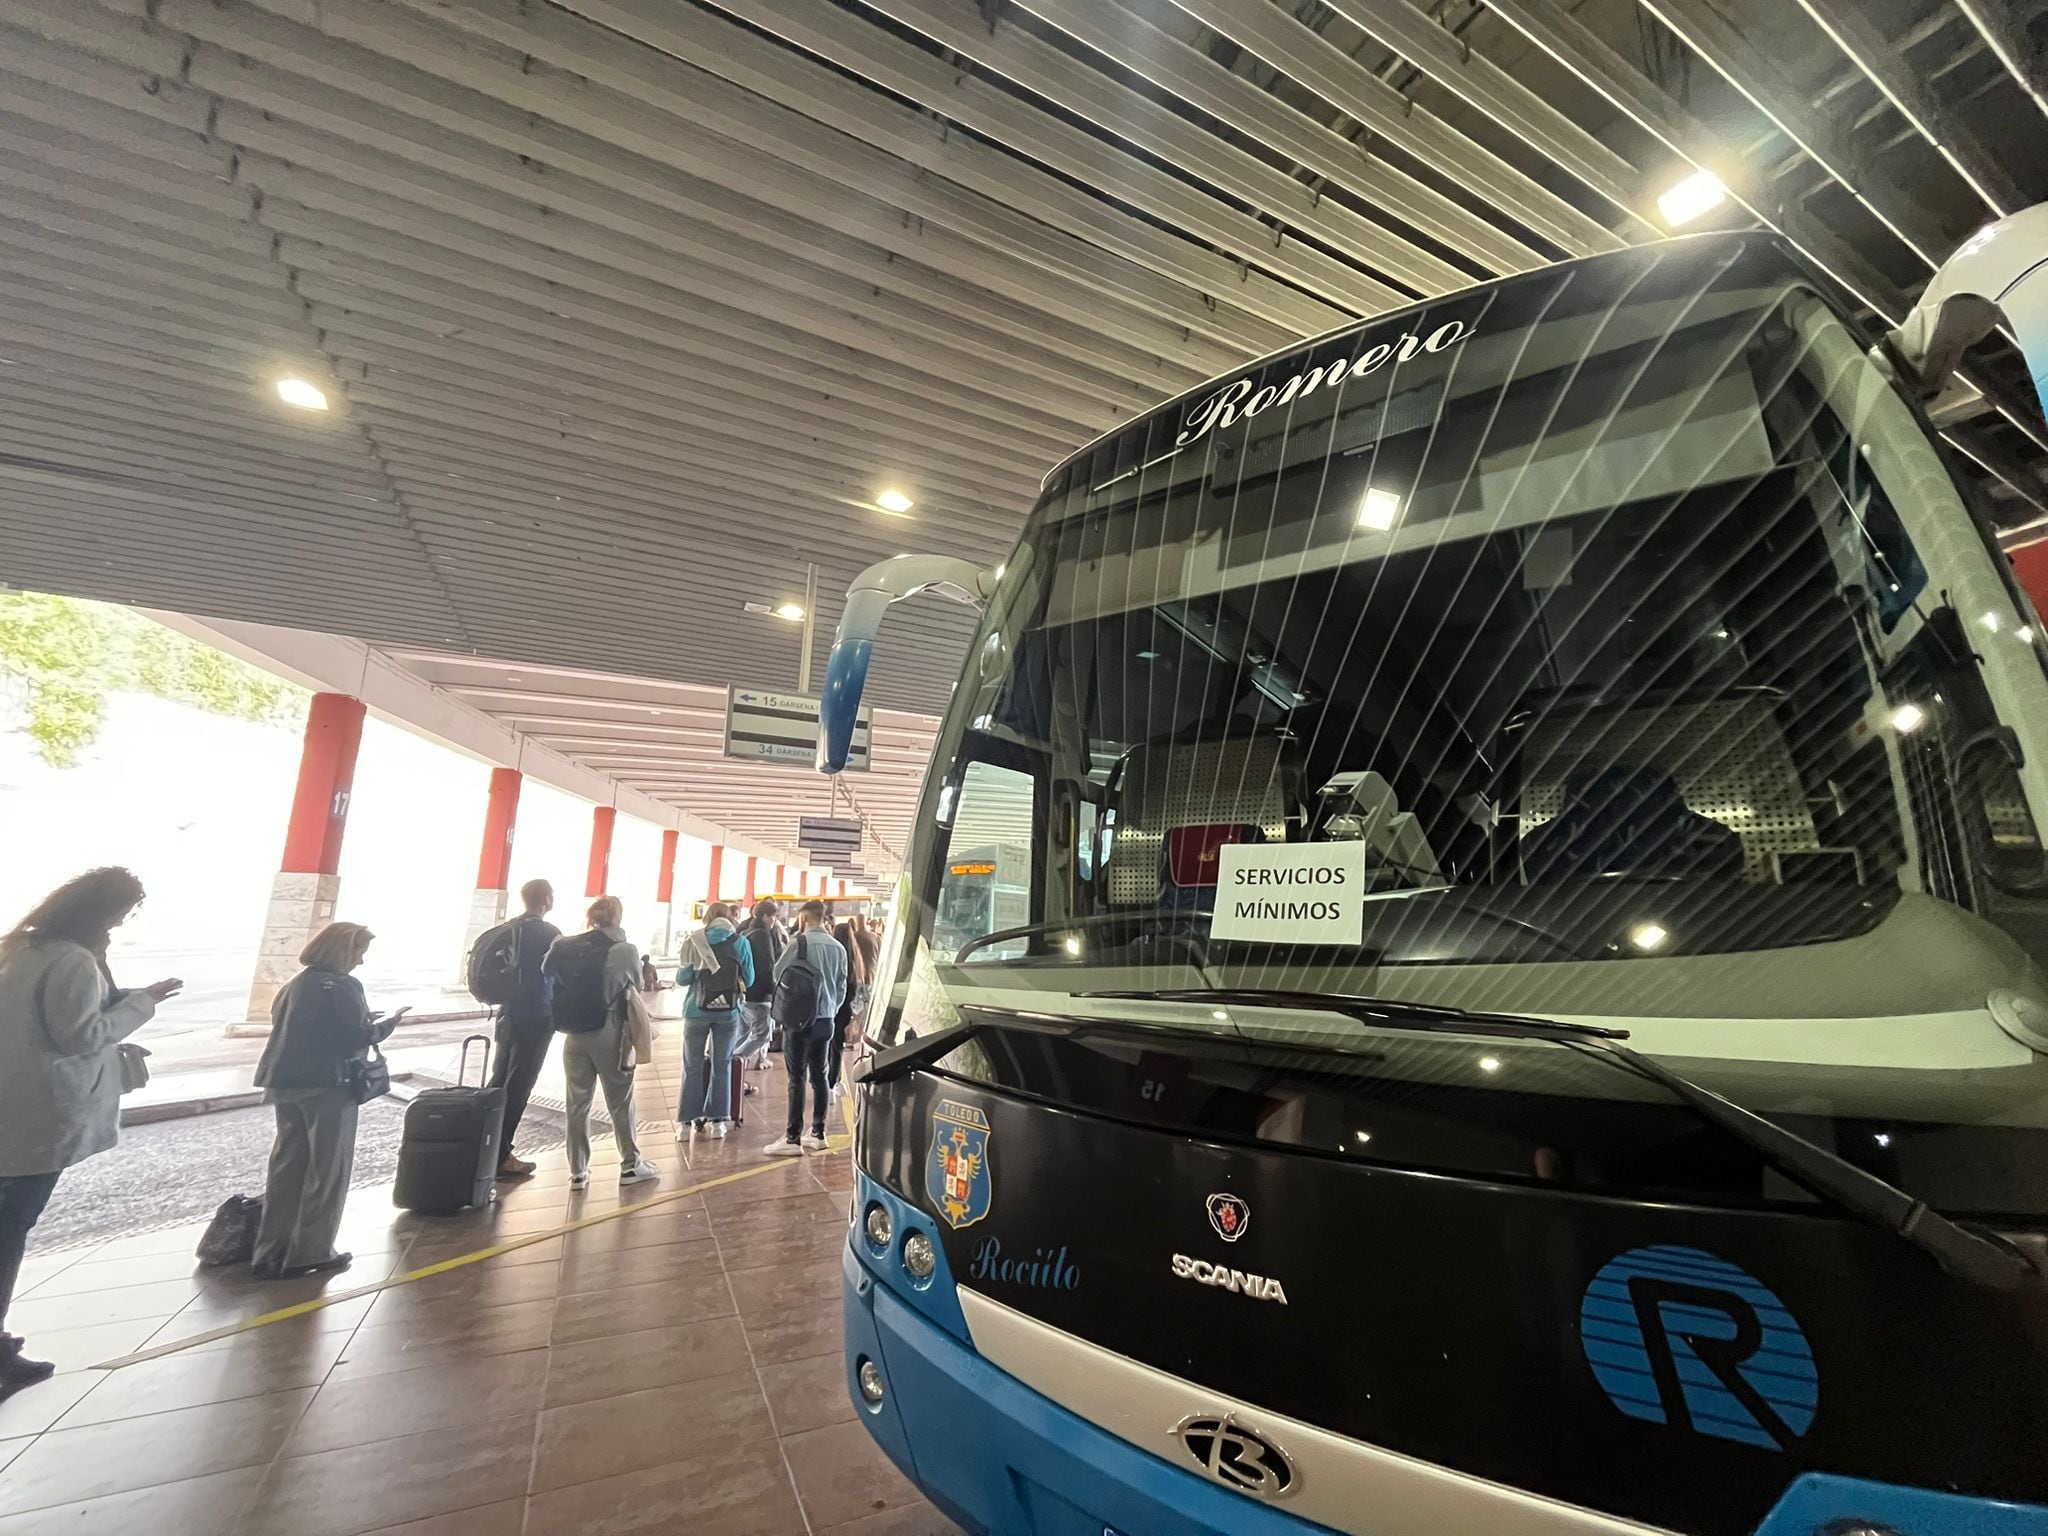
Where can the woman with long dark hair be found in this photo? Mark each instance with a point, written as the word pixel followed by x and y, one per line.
pixel 61 1017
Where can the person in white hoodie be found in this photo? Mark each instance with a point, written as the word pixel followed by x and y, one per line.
pixel 716 971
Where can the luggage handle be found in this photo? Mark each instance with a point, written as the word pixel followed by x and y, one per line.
pixel 462 1071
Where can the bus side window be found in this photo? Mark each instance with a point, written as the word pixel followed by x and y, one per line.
pixel 985 882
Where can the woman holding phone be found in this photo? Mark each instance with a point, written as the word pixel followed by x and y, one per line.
pixel 62 1021
pixel 320 1025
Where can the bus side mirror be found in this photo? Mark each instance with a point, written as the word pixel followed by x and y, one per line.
pixel 1999 273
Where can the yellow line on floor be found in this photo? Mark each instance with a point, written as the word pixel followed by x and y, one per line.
pixel 335 1298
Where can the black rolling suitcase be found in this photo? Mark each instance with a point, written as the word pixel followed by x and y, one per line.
pixel 448 1158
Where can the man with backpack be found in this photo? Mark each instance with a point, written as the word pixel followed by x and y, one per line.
pixel 810 984
pixel 591 974
pixel 504 968
pixel 765 937
pixel 716 971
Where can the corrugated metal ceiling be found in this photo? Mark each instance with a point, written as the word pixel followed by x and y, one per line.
pixel 630 307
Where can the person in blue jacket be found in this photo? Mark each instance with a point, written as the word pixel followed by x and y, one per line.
pixel 716 971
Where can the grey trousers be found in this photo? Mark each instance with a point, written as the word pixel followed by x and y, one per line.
pixel 311 1162
pixel 588 1060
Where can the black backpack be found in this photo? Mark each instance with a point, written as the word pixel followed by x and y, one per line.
pixel 767 948
pixel 579 1005
pixel 796 990
pixel 493 973
pixel 720 991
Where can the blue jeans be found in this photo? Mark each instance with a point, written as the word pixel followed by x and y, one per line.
pixel 756 1025
pixel 719 1030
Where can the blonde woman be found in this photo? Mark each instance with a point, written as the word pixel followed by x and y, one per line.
pixel 319 1024
pixel 61 1017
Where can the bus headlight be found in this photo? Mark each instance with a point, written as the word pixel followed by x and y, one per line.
pixel 870 1377
pixel 879 1228
pixel 919 1257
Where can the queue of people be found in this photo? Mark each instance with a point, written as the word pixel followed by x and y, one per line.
pixel 65 1052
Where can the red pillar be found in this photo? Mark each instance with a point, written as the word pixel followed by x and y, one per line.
pixel 602 819
pixel 2030 565
pixel 842 887
pixel 781 876
pixel 751 863
pixel 803 883
pixel 717 869
pixel 327 774
pixel 665 875
pixel 303 896
pixel 501 815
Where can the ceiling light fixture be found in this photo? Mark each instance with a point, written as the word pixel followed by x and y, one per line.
pixel 893 500
pixel 1690 197
pixel 296 391
pixel 1649 937
pixel 1489 1063
pixel 1908 718
pixel 1379 510
pixel 794 612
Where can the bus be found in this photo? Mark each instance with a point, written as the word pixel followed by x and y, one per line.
pixel 986 888
pixel 1530 1013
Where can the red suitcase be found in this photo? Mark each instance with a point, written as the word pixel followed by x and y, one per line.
pixel 739 1078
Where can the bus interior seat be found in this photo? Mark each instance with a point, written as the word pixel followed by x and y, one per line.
pixel 1215 786
pixel 1627 820
pixel 1726 761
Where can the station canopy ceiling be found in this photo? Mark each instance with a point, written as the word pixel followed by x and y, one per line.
pixel 626 310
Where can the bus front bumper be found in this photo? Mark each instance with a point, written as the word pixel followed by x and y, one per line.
pixel 997 1457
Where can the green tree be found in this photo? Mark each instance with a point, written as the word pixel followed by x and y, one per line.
pixel 65 654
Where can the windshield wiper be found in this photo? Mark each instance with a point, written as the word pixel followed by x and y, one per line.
pixel 1971 1255
pixel 1195 946
pixel 922 1050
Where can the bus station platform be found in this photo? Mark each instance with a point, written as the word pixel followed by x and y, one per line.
pixel 663 1357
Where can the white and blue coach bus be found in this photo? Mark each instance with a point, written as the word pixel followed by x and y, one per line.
pixel 1531 1013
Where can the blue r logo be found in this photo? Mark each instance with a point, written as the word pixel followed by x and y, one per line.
pixel 1677 1336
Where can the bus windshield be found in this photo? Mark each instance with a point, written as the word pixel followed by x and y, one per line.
pixel 1610 643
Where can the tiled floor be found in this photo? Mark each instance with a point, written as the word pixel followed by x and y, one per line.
pixel 676 1369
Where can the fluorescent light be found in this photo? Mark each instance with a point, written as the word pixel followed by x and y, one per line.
pixel 1882 1138
pixel 1649 937
pixel 296 391
pixel 893 500
pixel 790 611
pixel 1908 718
pixel 1073 945
pixel 1364 1137
pixel 1691 196
pixel 1379 510
pixel 1489 1063
pixel 1148 655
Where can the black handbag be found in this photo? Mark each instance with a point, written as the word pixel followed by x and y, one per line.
pixel 368 1077
pixel 231 1235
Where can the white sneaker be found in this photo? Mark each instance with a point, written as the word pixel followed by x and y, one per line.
pixel 784 1149
pixel 639 1173
pixel 579 1181
pixel 683 1130
pixel 718 1130
pixel 816 1144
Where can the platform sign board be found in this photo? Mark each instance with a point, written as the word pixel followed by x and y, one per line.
pixel 832 841
pixel 766 726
